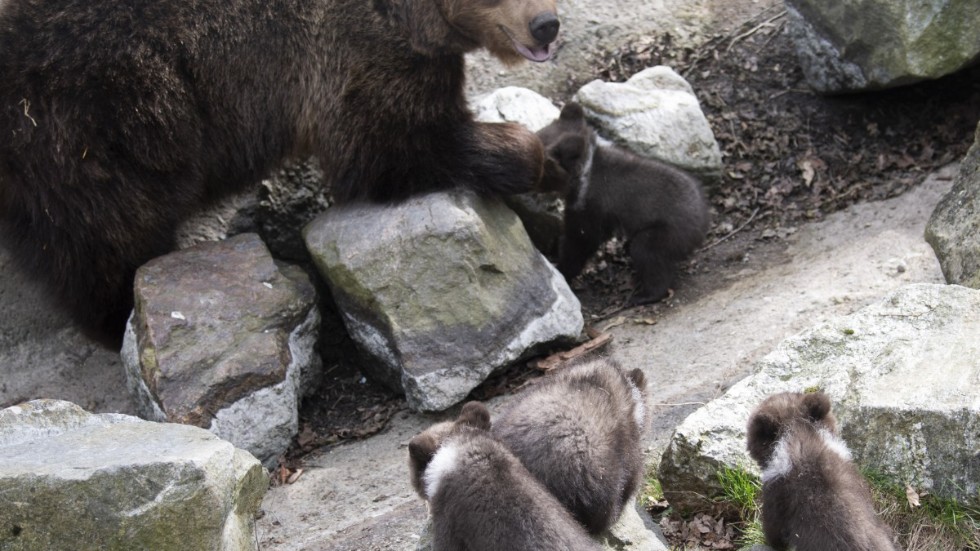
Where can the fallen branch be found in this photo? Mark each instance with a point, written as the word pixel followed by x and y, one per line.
pixel 558 359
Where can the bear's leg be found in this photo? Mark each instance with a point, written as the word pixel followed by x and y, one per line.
pixel 653 264
pixel 503 158
pixel 87 249
pixel 581 240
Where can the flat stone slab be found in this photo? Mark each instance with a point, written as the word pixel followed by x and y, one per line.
pixel 73 480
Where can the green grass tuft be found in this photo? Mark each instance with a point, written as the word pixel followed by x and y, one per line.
pixel 743 490
pixel 740 488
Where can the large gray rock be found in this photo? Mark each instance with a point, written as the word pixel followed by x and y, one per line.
pixel 223 338
pixel 655 114
pixel 440 291
pixel 850 45
pixel 954 228
pixel 904 375
pixel 73 480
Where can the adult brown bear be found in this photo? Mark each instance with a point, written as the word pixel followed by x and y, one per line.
pixel 119 119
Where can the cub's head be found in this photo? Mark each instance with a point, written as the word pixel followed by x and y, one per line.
pixel 511 30
pixel 423 447
pixel 780 411
pixel 568 144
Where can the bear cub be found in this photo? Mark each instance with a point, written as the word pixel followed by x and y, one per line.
pixel 813 497
pixel 659 209
pixel 481 498
pixel 579 432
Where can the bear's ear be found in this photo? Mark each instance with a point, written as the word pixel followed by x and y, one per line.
pixel 421 448
pixel 427 30
pixel 572 112
pixel 638 378
pixel 816 405
pixel 554 178
pixel 568 150
pixel 475 414
pixel 762 432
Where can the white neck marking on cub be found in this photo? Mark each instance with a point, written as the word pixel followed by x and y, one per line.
pixel 443 463
pixel 780 463
pixel 586 176
pixel 639 408
pixel 835 444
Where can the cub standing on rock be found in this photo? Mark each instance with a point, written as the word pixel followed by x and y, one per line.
pixel 813 497
pixel 481 497
pixel 579 431
pixel 660 209
pixel 120 119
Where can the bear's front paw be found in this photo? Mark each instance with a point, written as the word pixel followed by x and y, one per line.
pixel 511 158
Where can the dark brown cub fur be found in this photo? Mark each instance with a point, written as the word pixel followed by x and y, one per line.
pixel 120 119
pixel 813 497
pixel 659 209
pixel 480 496
pixel 580 433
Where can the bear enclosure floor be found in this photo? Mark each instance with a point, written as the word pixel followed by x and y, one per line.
pixel 790 157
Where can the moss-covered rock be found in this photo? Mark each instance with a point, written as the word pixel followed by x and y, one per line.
pixel 72 480
pixel 440 291
pixel 850 45
pixel 904 375
pixel 954 228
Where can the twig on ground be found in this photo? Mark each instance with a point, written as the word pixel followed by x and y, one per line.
pixel 753 30
pixel 556 360
pixel 733 232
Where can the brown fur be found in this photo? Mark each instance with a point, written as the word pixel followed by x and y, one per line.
pixel 577 433
pixel 485 499
pixel 813 498
pixel 659 209
pixel 119 119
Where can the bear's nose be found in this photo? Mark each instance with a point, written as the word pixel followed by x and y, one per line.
pixel 544 27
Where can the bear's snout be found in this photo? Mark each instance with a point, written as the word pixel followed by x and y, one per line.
pixel 544 27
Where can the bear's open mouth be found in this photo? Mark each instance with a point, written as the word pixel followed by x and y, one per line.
pixel 533 53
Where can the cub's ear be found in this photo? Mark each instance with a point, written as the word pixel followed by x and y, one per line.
pixel 421 448
pixel 555 178
pixel 816 405
pixel 572 112
pixel 568 150
pixel 762 432
pixel 638 378
pixel 475 414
